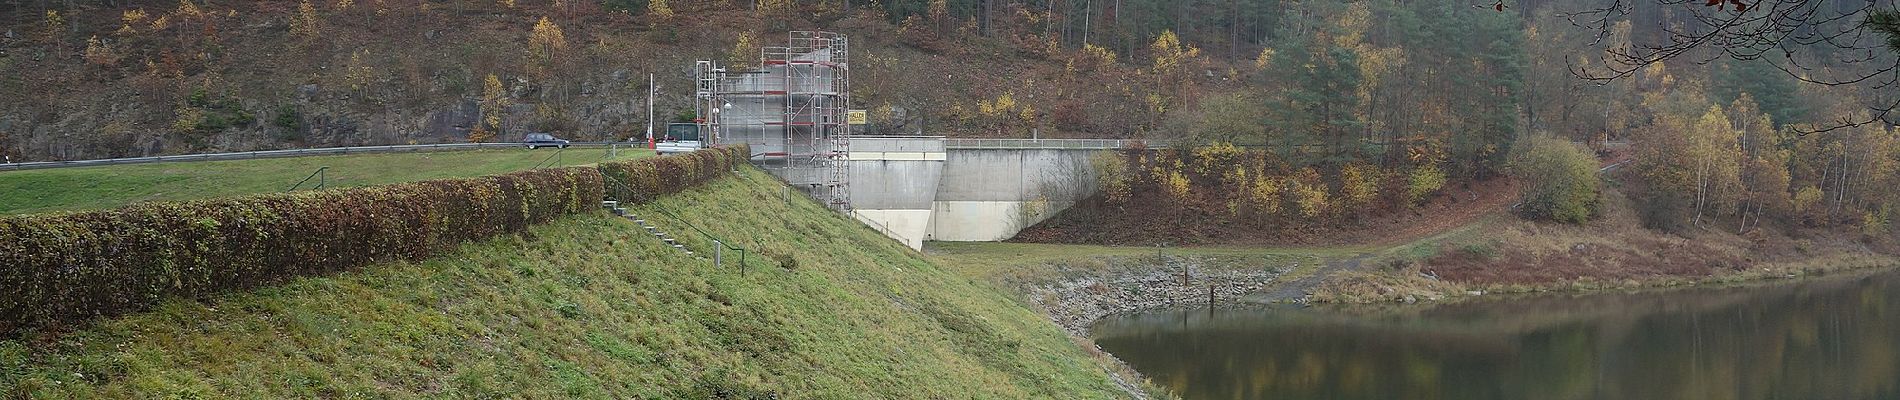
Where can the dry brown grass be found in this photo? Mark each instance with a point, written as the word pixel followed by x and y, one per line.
pixel 1615 251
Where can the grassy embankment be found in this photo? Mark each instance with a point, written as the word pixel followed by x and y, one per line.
pixel 94 188
pixel 590 307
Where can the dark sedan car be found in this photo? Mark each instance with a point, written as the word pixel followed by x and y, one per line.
pixel 539 140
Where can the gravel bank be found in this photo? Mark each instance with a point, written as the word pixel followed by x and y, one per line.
pixel 1080 300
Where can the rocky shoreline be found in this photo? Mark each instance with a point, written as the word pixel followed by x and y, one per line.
pixel 1077 302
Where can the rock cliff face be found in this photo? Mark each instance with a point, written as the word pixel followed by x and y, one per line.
pixel 122 124
pixel 151 77
pixel 242 76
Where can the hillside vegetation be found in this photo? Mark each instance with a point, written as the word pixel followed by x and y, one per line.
pixel 97 188
pixel 592 307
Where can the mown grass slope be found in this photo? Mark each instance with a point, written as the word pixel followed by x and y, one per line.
pixel 93 188
pixel 591 307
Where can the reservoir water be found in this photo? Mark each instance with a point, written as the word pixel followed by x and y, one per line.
pixel 1826 338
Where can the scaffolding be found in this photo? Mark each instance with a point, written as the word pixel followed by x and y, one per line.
pixel 791 108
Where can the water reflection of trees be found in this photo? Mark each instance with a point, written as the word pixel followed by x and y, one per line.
pixel 1834 339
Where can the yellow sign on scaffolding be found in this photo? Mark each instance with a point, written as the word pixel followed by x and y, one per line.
pixel 856 117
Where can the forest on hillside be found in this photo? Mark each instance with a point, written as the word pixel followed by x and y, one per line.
pixel 1337 107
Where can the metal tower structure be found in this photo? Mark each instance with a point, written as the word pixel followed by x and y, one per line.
pixel 791 107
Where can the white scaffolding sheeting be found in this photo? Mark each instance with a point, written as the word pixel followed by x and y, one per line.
pixel 791 108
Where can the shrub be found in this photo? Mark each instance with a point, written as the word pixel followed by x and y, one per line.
pixel 1561 180
pixel 1265 194
pixel 64 268
pixel 645 179
pixel 1424 181
pixel 1359 184
pixel 1309 193
pixel 1806 203
pixel 1111 175
pixel 1875 223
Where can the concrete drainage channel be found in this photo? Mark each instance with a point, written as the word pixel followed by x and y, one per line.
pixel 655 231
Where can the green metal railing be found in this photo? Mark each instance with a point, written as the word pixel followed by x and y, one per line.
pixel 322 179
pixel 551 160
pixel 625 193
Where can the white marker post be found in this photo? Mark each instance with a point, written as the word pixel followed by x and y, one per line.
pixel 651 90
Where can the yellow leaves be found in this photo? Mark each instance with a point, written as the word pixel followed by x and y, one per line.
pixel 1214 157
pixel 304 24
pixel 1156 103
pixel 130 18
pixel 1004 105
pixel 774 7
pixel 1352 25
pixel 1265 194
pixel 188 119
pixel 1172 182
pixel 1375 63
pixel 55 26
pixel 480 134
pixel 546 41
pixel 1263 60
pixel 1806 198
pixel 1102 55
pixel 1111 176
pixel 1875 223
pixel 1359 184
pixel 1309 192
pixel 1091 58
pixel 494 103
pixel 1424 181
pixel 344 4
pixel 1426 152
pixel 883 114
pixel 162 22
pixel 744 51
pixel 100 53
pixel 358 73
pixel 1170 53
pixel 508 3
pixel 659 9
pixel 938 10
pixel 187 8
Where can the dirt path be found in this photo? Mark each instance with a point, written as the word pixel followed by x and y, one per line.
pixel 1295 291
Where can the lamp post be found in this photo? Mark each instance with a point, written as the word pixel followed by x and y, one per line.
pixel 651 91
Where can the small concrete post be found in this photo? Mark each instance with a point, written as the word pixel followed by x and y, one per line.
pixel 718 249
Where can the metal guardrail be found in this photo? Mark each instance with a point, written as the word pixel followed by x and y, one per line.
pixel 1064 144
pixel 251 155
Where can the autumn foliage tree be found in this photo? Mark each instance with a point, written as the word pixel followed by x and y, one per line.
pixel 547 49
pixel 493 104
pixel 1560 178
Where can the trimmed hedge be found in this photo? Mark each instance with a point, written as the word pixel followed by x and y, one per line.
pixel 653 177
pixel 62 268
pixel 66 268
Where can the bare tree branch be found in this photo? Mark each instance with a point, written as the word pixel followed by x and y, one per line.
pixel 1829 43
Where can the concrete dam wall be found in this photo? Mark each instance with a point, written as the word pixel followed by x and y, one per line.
pixel 916 189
